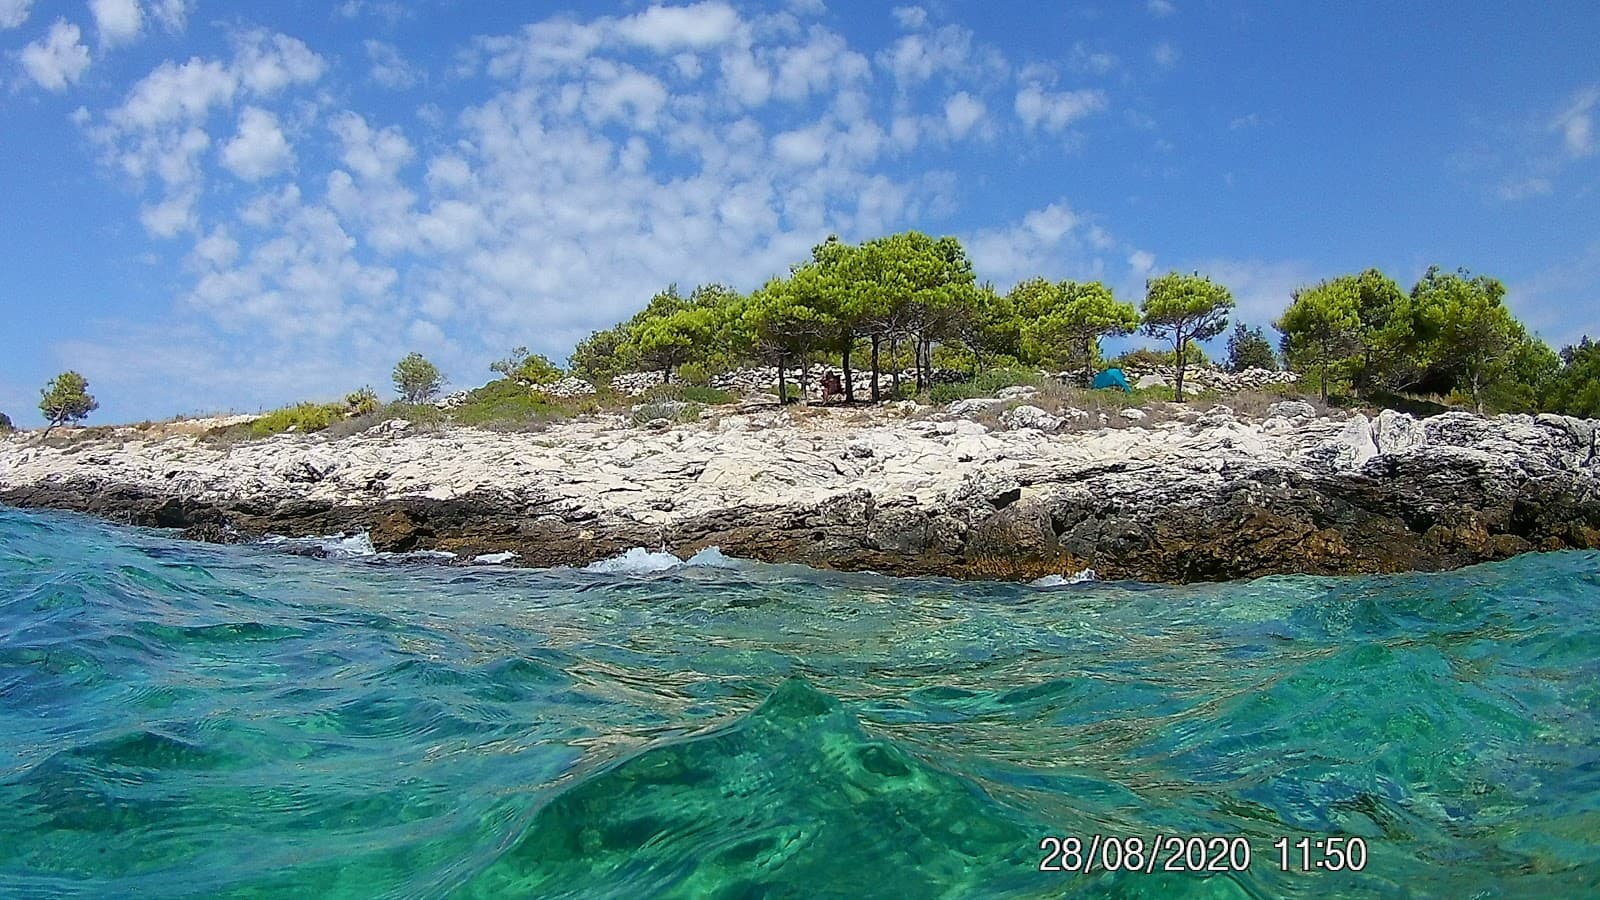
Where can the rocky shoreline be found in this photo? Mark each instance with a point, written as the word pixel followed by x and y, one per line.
pixel 1201 496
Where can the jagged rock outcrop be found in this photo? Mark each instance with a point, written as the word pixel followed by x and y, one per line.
pixel 1212 497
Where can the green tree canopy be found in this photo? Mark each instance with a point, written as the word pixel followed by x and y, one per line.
pixel 669 341
pixel 1077 315
pixel 1575 389
pixel 1181 309
pixel 66 398
pixel 526 368
pixel 1321 326
pixel 416 380
pixel 1248 348
pixel 1472 333
pixel 602 356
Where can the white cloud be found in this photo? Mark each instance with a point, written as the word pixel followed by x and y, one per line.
pixel 1053 242
pixel 911 18
pixel 172 14
pixel 259 150
pixel 170 217
pixel 1090 62
pixel 1161 8
pixel 1053 111
pixel 118 21
pixel 1261 288
pixel 664 28
pixel 174 92
pixel 600 162
pixel 915 58
pixel 801 148
pixel 59 59
pixel 1249 120
pixel 1166 54
pixel 963 111
pixel 389 68
pixel 14 12
pixel 1575 124
pixel 1142 262
pixel 267 63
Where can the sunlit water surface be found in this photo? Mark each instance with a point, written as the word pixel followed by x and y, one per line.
pixel 185 720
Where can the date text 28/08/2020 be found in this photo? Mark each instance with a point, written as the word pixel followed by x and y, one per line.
pixel 1174 853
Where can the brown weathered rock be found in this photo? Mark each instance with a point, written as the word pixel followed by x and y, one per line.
pixel 1211 499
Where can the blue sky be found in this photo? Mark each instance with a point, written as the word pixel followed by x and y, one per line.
pixel 212 206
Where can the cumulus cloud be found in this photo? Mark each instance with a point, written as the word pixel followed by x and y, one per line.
pixel 118 21
pixel 388 68
pixel 950 50
pixel 14 12
pixel 911 18
pixel 259 149
pixel 963 111
pixel 266 62
pixel 598 160
pixel 57 60
pixel 1161 8
pixel 1056 242
pixel 1055 110
pixel 159 130
pixel 663 28
pixel 1575 123
pixel 172 14
pixel 1261 288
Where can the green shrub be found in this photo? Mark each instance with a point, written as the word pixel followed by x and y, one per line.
pixel 676 412
pixel 709 396
pixel 302 417
pixel 694 374
pixel 672 390
pixel 5 424
pixel 505 402
pixel 993 380
pixel 941 394
pixel 362 402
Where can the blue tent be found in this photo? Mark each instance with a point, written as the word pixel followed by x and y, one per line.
pixel 1112 378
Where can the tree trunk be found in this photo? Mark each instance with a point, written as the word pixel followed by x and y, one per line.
pixel 849 383
pixel 1181 354
pixel 666 374
pixel 876 340
pixel 894 360
pixel 783 381
pixel 1088 362
pixel 805 370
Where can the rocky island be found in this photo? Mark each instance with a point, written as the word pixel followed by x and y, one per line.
pixel 1192 495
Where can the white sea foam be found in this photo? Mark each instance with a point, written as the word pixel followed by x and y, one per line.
pixel 1080 577
pixel 639 561
pixel 495 559
pixel 336 546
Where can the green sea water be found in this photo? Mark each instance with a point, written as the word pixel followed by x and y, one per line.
pixel 181 720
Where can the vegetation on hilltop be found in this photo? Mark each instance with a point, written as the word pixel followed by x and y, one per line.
pixel 66 399
pixel 910 302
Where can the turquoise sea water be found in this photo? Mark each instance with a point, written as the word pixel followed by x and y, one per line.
pixel 183 720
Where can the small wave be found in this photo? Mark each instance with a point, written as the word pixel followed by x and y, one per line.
pixel 639 561
pixel 335 546
pixel 495 559
pixel 1083 576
